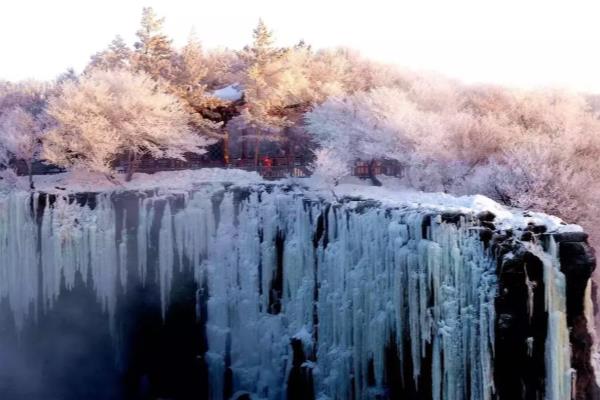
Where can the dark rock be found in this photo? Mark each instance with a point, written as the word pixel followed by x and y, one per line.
pixel 487 216
pixel 527 236
pixel 504 321
pixel 300 380
pixel 500 237
pixel 519 373
pixel 426 224
pixel 485 235
pixel 581 345
pixel 489 225
pixel 537 229
pixel 452 217
pixel 276 287
pixel 570 237
pixel 85 199
pixel 512 265
pixel 578 261
pixel 242 396
pixel 350 198
pixel 240 194
pixel 577 258
pixel 365 205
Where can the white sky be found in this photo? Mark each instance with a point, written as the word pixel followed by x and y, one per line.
pixel 518 43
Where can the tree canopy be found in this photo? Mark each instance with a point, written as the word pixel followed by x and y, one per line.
pixel 108 113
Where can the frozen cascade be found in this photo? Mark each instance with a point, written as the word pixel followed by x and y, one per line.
pixel 348 279
pixel 18 249
pixel 558 349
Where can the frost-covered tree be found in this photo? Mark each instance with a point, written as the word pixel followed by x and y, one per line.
pixel 116 56
pixel 188 70
pixel 330 166
pixel 262 115
pixel 22 122
pixel 550 164
pixel 30 95
pixel 276 99
pixel 20 138
pixel 381 123
pixel 224 67
pixel 530 149
pixel 153 50
pixel 68 75
pixel 341 71
pixel 190 65
pixel 112 113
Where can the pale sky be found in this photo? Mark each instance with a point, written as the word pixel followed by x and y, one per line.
pixel 523 43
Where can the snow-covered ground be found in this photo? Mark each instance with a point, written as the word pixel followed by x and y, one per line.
pixel 77 182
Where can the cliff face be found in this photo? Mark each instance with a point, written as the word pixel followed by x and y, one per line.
pixel 525 325
pixel 272 292
pixel 578 261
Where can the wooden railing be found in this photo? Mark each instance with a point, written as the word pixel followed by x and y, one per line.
pixel 279 171
pixel 280 167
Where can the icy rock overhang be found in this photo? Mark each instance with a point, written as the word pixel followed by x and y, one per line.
pixel 363 292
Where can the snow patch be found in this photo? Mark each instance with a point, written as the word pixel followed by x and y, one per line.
pixel 229 93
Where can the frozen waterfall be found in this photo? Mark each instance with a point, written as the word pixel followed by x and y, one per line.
pixel 371 297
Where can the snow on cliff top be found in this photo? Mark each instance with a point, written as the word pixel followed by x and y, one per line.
pixel 72 182
pixel 392 194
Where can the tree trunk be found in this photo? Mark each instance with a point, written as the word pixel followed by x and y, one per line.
pixel 130 166
pixel 244 143
pixel 256 152
pixel 30 174
pixel 226 148
pixel 376 182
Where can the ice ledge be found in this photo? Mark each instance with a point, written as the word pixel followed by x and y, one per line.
pixel 392 194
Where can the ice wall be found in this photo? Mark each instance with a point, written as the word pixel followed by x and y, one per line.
pixel 356 286
pixel 559 375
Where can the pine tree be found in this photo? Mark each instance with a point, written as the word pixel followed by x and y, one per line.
pixel 116 56
pixel 120 53
pixel 262 114
pixel 192 63
pixel 68 75
pixel 262 47
pixel 188 71
pixel 224 67
pixel 153 50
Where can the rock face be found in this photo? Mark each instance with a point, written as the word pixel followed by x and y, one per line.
pixel 578 261
pixel 522 325
pixel 270 292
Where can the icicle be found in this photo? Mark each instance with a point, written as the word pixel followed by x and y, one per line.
pixel 166 256
pixel 350 279
pixel 557 348
pixel 529 342
pixel 589 315
pixel 19 264
pixel 530 292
